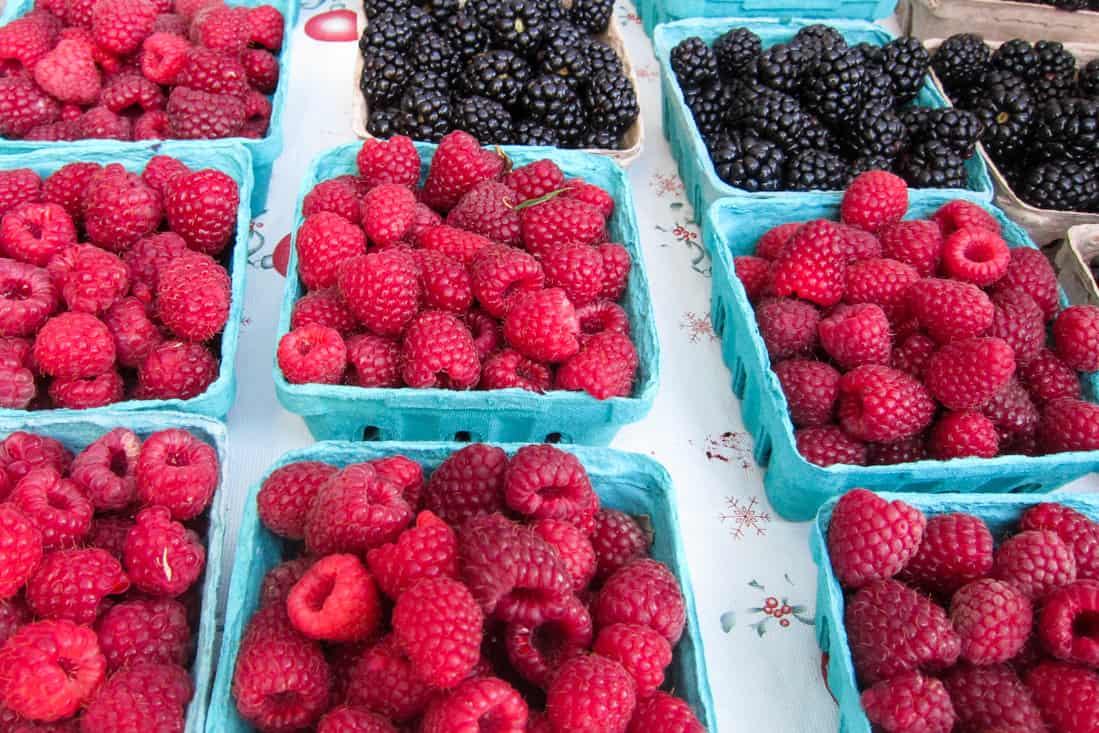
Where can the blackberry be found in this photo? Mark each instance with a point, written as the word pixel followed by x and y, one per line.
pixel 781 67
pixel 868 52
pixel 553 102
pixel 611 103
pixel 737 50
pixel 870 163
pixel 485 119
pixel 427 81
pixel 770 114
pixel 424 115
pixel 442 10
pixel 958 129
pixel 596 139
pixel 390 31
pixel 592 16
pixel 814 39
pixel 917 120
pixel 1056 72
pixel 1067 128
pixel 748 162
pixel 693 62
pixel 518 26
pixel 602 57
pixel 1071 5
pixel 961 61
pixel 383 122
pixel 905 60
pixel 1016 57
pixel 877 89
pixel 528 132
pixel 485 10
pixel 834 90
pixel 384 75
pixel 372 8
pixel 1065 185
pixel 1006 108
pixel 815 170
pixel 933 164
pixel 563 54
pixel 499 75
pixel 708 105
pixel 876 132
pixel 433 52
pixel 815 135
pixel 1088 81
pixel 466 35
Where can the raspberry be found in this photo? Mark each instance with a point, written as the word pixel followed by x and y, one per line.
pixel 617 540
pixel 1036 562
pixel 488 209
pixel 68 72
pixel 787 326
pixel 105 470
pixel 882 282
pixel 960 214
pixel 67 185
pixel 917 244
pixel 120 26
pixel 591 692
pixel 509 369
pixel 591 194
pixel 221 27
pixel 287 493
pixel 99 123
pixel 643 653
pixel 135 334
pixel 91 280
pixel 909 703
pixel 428 550
pixel 355 511
pixel 893 629
pixel 439 626
pixel 387 212
pixel 281 682
pixel 130 92
pixel 1067 696
pixel 383 681
pixel 202 207
pixel 162 557
pixel 312 354
pixel 23 45
pixel 992 698
pixel 438 351
pixel 146 258
pixel 27 298
pixel 1077 531
pixel 644 592
pixel 133 699
pixel 278 582
pixel 176 370
pixel 325 241
pixel 344 719
pixel 20 549
pixel 544 482
pixel 14 615
pixel 468 483
pixel 1030 271
pixel 486 331
pixel 811 388
pixel 140 630
pixel 993 620
pixel 1047 378
pixel 856 335
pixel 24 106
pixel 389 161
pixel 459 164
pixel 373 361
pixel 71 584
pixel 976 255
pixel 535 179
pixel 81 394
pixel 119 209
pixel 501 275
pixel 775 240
pixel 950 310
pixel 572 544
pixel 404 473
pixel 479 703
pixel 956 549
pixel 828 445
pixel 1064 623
pixel 265 27
pixel 664 712
pixel 335 196
pixel 577 269
pixel 382 289
pixel 51 669
pixel 874 199
pixel 196 115
pixel 1076 337
pixel 882 404
pixel 963 434
pixel 178 471
pixel 1018 321
pixel 1069 425
pixel 605 367
pixel 454 243
pixel 543 326
pixel 171 23
pixel 213 72
pixel 35 232
pixel 870 539
pixel 424 218
pixel 55 505
pixel 812 266
pixel 335 601
pixel 163 57
pixel 109 533
pixel 537 650
pixel 965 375
pixel 601 316
pixel 616 269
pixel 561 221
pixel 21 453
pixel 754 274
pixel 447 284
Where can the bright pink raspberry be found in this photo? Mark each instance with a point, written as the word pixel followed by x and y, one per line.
pixel 1064 623
pixel 179 471
pixel 312 354
pixel 1031 272
pixel 287 493
pixel 176 370
pixel 335 600
pixel 963 434
pixel 500 276
pixel 27 298
pixel 73 584
pixel 55 505
pixel 873 200
pixel 871 539
pixel 35 232
pixel 20 549
pixel 21 453
pixel 1079 532
pixel 813 266
pixel 74 345
pixel 644 653
pixel 438 624
pixel 664 712
pixel 878 403
pixel 976 255
pixel 856 335
pixel 590 688
pixel 52 669
pixel 373 361
pixel 427 550
pixel 629 596
pixel 949 310
pixel 383 680
pixel 382 289
pixel 438 351
pixel 90 279
pixel 1067 695
pixel 1076 337
pixel 544 482
pixel 993 620
pixel 476 704
pixel 574 547
pixel 535 179
pixel 389 161
pixel 162 557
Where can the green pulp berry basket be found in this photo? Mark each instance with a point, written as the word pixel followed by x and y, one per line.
pixel 338 412
pixel 629 482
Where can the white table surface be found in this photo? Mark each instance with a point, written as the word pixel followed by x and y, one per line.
pixel 765 672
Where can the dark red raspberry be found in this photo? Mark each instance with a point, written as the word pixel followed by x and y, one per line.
pixel 644 592
pixel 501 275
pixel 561 221
pixel 202 207
pixel 1030 271
pixel 130 92
pixel 178 471
pixel 214 72
pixel 265 27
pixel 477 703
pixel 325 241
pixel 55 505
pixel 335 600
pixel 135 334
pixel 965 375
pixel 90 279
pixel 344 719
pixel 387 213
pixel 14 615
pixel 438 624
pixel 882 404
pixel 66 186
pixel 488 209
pixel 454 243
pixel 424 218
pixel 20 549
pixel 99 123
pixel 1018 320
pixel 508 368
pixel 949 310
pixel 389 161
pixel 1069 425
pixel 373 361
pixel 144 696
pixel 976 255
pixel 605 367
pixel 812 266
pixel 873 200
pixel 1068 696
pixel 1048 378
pixel 458 165
pixel 162 557
pixel 17 387
pixel 281 681
pixel 119 209
pixel 146 258
pixel 1036 562
pixel 428 550
pixel 577 269
pixel 195 115
pixel 912 354
pixel 828 445
pixel 909 703
pixel 535 179
pixel 616 269
pixel 963 434
pixel 856 335
pixel 956 549
pixel 83 393
pixel 151 125
pixel 788 326
pixel 914 243
pixel 544 482
pixel 591 692
pixel 160 171
pixel 617 540
pixel 354 511
pixel 119 26
pixel 858 244
pixel 993 620
pixel 893 629
pixel 1066 624
pixel 383 681
pixel 404 473
pixel 960 214
pixel 279 580
pixel 992 698
pixel 468 483
pixel 486 331
pixel 105 470
pixel 22 185
pixel 139 630
pixel 870 539
pixel 754 274
pixel 382 289
pixel 176 370
pixel 643 653
pixel 664 712
pixel 536 650
pixel 324 308
pixel 35 232
pixel 21 453
pixel 574 547
pixel 312 354
pixel 24 106
pixel 27 298
pixel 335 196
pixel 1079 532
pixel 193 297
pixel 287 493
pixel 438 351
pixel 1076 337
pixel 52 668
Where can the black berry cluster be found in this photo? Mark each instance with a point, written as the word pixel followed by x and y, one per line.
pixel 1067 4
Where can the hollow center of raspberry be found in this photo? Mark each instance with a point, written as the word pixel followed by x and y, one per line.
pixel 10 67
pixel 69 667
pixel 177 459
pixel 523 372
pixel 58 501
pixel 15 290
pixel 119 465
pixel 34 229
pixel 1086 625
pixel 550 639
pixel 980 252
pixel 319 593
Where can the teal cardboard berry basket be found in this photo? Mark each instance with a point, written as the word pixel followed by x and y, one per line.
pixel 232 160
pixel 795 487
pixel 1000 512
pixel 700 178
pixel 629 482
pixel 655 12
pixel 262 152
pixel 77 432
pixel 339 412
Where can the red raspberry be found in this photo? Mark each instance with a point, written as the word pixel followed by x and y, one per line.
pixel 196 115
pixel 468 483
pixel 135 334
pixel 963 434
pixel 202 207
pixel 788 326
pixel 1030 271
pixel 544 482
pixel 438 351
pixel 55 505
pixel 382 289
pixel 577 269
pixel 486 331
pixel 812 266
pixel 383 681
pixel 543 326
pixel 373 361
pixel 454 243
pixel 992 698
pixel 605 367
pixel 265 27
pixel 828 445
pixel 98 123
pixel 162 557
pixel 17 387
pixel 80 394
pixel 857 244
pixel 404 473
pixel 856 335
pixel 438 624
pixel 69 73
pixel 91 280
pixel 883 282
pixel 975 254
pixel 1063 624
pixel 119 209
pixel 172 23
pixel 105 470
pixel 1069 425
pixel 280 258
pixel 52 668
pixel 213 72
pixel 591 692
pixel 561 221
pixel 1018 320
pixel 119 26
pixel 142 697
pixel 1048 378
pixel 501 275
pixel 1036 562
pixel 961 214
pixel 21 185
pixel 163 57
pixel 536 179
pixel 589 193
pixel 459 164
pixel 387 213
pixel 72 584
pixel 617 540
pixel 221 27
pixel 278 581
pixel 644 592
pixel 24 106
pixel 178 471
pixel 16 352
pixel 146 258
pixel 993 620
pixel 287 493
pixel 425 218
pixel 27 298
pixel 870 539
pixel 1067 695
pixel 20 549
pixel 355 511
pixel 915 243
pixel 14 615
pixel 389 161
pixel 1077 531
pixel 601 316
pixel 774 241
pixel 262 69
pixel 666 713
pixel 891 454
pixel 643 653
pixel 35 232
pixel 130 92
pixel 160 171
pixel 325 241
pixel 574 547
pixel 446 282
pixel 509 369
pixel 909 703
pixel 811 388
pixel 893 629
pixel 965 375
pixel 476 704
pixel 882 404
pixel 536 650
pixel 956 549
pixel 67 185
pixel 23 44
pixel 336 601
pixel 312 354
pixel 488 209
pixel 344 719
pixel 1076 337
pixel 176 370
pixel 193 297
pixel 153 630
pixel 616 269
pixel 428 550
pixel 950 310
pixel 281 681
pixel 21 453
pixel 754 274
pixel 874 199
pixel 335 196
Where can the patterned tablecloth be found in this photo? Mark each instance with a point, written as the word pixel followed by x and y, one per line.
pixel 754 579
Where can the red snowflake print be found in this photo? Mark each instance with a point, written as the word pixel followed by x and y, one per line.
pixel 698 327
pixel 646 72
pixel 666 183
pixel 730 447
pixel 743 518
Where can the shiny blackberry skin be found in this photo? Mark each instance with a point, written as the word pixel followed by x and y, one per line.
pixel 834 90
pixel 553 12
pixel 518 26
pixel 485 10
pixel 466 35
pixel 1088 81
pixel 433 52
pixel 815 170
pixel 1064 185
pixel 553 102
pixel 384 75
pixel 906 61
pixel 816 135
pixel 933 164
pixel 781 67
pixel 814 39
pixel 499 75
pixel 528 132
pixel 611 103
pixel 749 162
pixel 869 53
pixel 390 31
pixel 1016 57
pixel 1056 72
pixel 602 57
pixel 596 139
pixel 736 50
pixel 877 89
pixel 876 132
pixel 708 105
pixel 592 16
pixel 917 120
pixel 424 115
pixel 383 121
pixel 427 81
pixel 1067 128
pixel 959 129
pixel 770 114
pixel 372 8
pixel 1071 5
pixel 1006 108
pixel 563 54
pixel 441 10
pixel 485 119
pixel 961 61
pixel 871 163
pixel 693 62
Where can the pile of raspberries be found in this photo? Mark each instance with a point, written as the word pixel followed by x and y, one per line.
pixel 100 557
pixel 109 286
pixel 897 341
pixel 485 277
pixel 494 595
pixel 948 632
pixel 139 70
